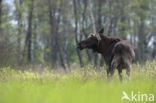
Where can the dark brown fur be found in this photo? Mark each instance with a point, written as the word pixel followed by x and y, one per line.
pixel 117 53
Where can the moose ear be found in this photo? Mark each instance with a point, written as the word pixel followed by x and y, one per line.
pixel 101 30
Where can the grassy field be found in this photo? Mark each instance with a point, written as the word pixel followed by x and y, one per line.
pixel 78 86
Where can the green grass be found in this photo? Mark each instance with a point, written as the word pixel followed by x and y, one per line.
pixel 78 86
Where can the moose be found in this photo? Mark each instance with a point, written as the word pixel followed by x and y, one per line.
pixel 117 53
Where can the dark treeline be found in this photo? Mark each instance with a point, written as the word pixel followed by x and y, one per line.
pixel 47 31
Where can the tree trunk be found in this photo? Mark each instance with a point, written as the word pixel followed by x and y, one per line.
pixel 29 31
pixel 19 22
pixel 99 26
pixel 154 21
pixel 66 42
pixel 53 42
pixel 35 45
pixel 94 29
pixel 54 23
pixel 153 25
pixel 0 13
pixel 111 19
pixel 140 43
pixel 57 42
pixel 76 32
pixel 83 27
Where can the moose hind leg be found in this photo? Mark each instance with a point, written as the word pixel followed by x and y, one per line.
pixel 108 75
pixel 111 69
pixel 113 65
pixel 128 73
pixel 120 74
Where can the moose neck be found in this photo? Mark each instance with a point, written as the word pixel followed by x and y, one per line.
pixel 105 45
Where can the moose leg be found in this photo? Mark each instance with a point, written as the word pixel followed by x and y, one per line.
pixel 128 73
pixel 120 74
pixel 108 75
pixel 113 66
pixel 111 69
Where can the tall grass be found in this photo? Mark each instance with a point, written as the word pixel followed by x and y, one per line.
pixel 83 85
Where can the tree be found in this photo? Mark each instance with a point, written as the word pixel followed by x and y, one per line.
pixel 0 12
pixel 76 31
pixel 18 16
pixel 54 23
pixel 28 40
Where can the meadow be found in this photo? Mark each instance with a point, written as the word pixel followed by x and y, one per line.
pixel 80 85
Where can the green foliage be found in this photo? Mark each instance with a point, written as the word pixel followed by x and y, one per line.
pixel 78 86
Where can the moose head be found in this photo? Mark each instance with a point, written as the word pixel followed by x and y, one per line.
pixel 91 42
